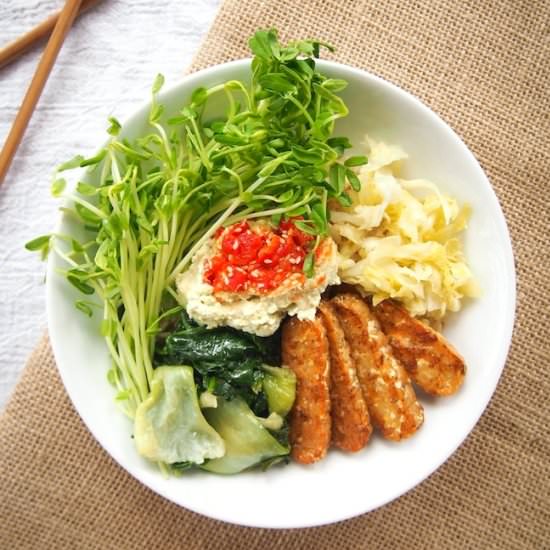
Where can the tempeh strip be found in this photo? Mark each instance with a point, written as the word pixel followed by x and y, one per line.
pixel 387 388
pixel 430 360
pixel 305 351
pixel 351 427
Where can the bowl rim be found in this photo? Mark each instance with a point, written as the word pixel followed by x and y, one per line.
pixel 192 79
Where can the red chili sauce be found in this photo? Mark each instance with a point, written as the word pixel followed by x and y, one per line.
pixel 256 259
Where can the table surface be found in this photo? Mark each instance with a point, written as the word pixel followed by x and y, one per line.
pixel 106 67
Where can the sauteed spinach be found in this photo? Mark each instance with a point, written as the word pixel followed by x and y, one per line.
pixel 228 363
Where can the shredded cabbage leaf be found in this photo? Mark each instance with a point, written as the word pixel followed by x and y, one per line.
pixel 400 238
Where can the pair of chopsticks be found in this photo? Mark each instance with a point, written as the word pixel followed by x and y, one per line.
pixel 59 25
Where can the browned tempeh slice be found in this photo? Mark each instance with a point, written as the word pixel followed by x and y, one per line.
pixel 305 351
pixel 387 388
pixel 351 427
pixel 430 360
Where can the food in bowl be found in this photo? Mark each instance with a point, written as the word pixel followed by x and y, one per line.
pixel 252 275
pixel 204 384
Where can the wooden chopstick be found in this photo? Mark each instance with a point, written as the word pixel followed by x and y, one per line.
pixel 13 50
pixel 62 27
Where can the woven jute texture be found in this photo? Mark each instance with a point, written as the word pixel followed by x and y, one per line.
pixel 485 68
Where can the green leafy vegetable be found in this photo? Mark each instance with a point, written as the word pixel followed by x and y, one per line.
pixel 353 180
pixel 356 161
pixel 40 244
pixel 193 343
pixel 182 466
pixel 58 186
pixel 169 425
pixel 309 264
pixel 86 189
pixel 114 127
pixel 227 362
pixel 247 442
pixel 70 164
pixel 279 385
pixel 85 307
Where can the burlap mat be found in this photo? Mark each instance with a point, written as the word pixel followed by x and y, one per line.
pixel 484 66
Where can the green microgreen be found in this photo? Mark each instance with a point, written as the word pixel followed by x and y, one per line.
pixel 152 202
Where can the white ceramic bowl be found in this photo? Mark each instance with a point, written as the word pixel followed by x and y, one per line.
pixel 342 485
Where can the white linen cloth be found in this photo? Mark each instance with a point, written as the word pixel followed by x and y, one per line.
pixel 106 67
